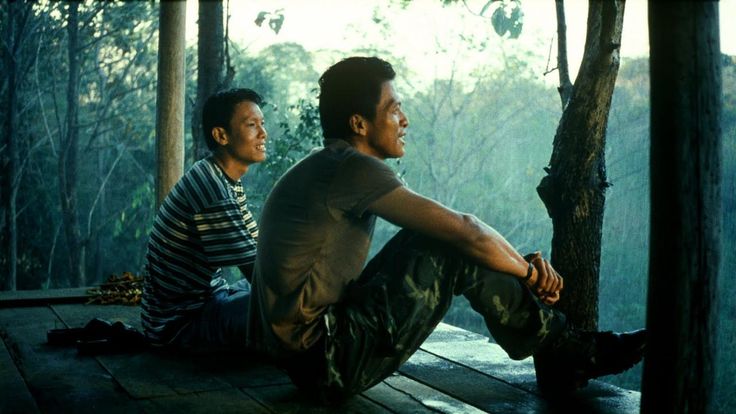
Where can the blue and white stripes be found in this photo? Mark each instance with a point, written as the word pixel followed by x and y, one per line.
pixel 203 225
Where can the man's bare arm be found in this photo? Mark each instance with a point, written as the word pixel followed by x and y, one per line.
pixel 468 234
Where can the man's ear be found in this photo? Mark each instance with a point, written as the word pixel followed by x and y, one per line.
pixel 359 125
pixel 220 135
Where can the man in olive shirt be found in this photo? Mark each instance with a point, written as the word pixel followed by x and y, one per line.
pixel 339 327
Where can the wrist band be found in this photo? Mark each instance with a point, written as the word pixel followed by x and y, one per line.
pixel 529 272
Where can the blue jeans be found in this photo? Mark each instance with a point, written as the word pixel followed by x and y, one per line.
pixel 220 325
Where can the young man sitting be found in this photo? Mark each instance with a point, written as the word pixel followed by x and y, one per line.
pixel 340 327
pixel 202 226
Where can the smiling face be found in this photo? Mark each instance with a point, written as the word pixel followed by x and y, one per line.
pixel 384 134
pixel 245 139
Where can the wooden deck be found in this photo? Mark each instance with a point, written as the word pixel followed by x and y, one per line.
pixel 455 371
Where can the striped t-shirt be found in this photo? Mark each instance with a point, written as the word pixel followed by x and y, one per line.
pixel 202 226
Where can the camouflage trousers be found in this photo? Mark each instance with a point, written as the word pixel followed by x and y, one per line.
pixel 400 297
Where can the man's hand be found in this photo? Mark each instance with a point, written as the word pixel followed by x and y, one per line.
pixel 548 283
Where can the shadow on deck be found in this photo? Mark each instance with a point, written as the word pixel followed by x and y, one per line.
pixel 455 371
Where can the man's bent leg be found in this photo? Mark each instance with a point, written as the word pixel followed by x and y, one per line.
pixel 401 296
pixel 518 321
pixel 221 324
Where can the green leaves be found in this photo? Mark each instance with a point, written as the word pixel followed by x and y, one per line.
pixel 261 17
pixel 507 18
pixel 275 23
pixel 275 19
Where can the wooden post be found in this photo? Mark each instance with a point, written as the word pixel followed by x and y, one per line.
pixel 170 97
pixel 686 206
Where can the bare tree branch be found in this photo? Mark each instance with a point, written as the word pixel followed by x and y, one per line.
pixel 565 87
pixel 100 190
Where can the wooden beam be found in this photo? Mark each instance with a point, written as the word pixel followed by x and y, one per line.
pixel 20 298
pixel 684 252
pixel 170 97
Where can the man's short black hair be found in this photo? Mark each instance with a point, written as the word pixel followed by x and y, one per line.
pixel 351 86
pixel 219 108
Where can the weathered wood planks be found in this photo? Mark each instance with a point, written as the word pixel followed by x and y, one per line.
pixel 456 371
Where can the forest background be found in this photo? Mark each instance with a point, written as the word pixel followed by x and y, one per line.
pixel 483 110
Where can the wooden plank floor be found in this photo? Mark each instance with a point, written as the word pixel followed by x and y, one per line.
pixel 455 371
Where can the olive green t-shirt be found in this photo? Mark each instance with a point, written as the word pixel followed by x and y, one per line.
pixel 315 234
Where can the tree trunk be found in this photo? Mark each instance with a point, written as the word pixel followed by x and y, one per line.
pixel 686 207
pixel 574 189
pixel 170 97
pixel 94 235
pixel 68 155
pixel 209 68
pixel 9 152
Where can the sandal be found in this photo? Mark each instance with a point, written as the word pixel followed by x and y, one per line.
pixel 121 338
pixel 95 329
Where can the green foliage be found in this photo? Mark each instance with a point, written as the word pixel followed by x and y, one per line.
pixel 479 148
pixel 508 18
pixel 116 118
pixel 275 19
pixel 295 141
pixel 298 132
pixel 284 75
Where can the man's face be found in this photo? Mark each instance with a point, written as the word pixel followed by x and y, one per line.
pixel 386 131
pixel 246 136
